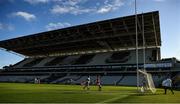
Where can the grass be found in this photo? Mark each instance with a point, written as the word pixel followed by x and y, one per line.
pixel 51 93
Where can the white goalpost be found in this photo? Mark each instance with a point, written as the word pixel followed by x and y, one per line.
pixel 146 82
pixel 144 79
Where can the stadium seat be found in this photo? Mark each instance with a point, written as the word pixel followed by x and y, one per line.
pixel 119 57
pixel 55 61
pixel 84 59
pixel 33 62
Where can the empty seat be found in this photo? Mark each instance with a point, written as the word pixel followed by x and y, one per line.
pixel 17 64
pixel 56 61
pixel 33 62
pixel 119 57
pixel 84 59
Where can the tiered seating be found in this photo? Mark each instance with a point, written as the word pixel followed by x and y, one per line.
pixel 105 80
pixel 33 62
pixel 67 79
pixel 83 78
pixel 110 80
pixel 44 61
pixel 99 59
pixel 119 57
pixel 70 60
pixel 17 64
pixel 19 78
pixel 23 62
pixel 84 59
pixel 56 61
pixel 51 78
pixel 128 80
pixel 32 80
pixel 122 77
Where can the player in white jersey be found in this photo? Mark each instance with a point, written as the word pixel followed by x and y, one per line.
pixel 87 83
pixel 167 84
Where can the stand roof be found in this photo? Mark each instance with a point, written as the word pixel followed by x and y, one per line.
pixel 102 36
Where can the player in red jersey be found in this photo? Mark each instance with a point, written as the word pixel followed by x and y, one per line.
pixel 98 82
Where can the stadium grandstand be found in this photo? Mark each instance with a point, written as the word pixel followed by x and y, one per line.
pixel 106 48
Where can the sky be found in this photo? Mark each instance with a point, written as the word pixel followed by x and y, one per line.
pixel 25 17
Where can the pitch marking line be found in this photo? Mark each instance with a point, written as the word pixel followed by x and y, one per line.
pixel 113 99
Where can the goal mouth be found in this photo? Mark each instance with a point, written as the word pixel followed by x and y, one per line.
pixel 146 82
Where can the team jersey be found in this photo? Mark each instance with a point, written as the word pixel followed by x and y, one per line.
pixel 167 83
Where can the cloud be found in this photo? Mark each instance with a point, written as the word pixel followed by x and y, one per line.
pixel 6 27
pixel 104 9
pixel 25 15
pixel 70 6
pixel 53 26
pixel 72 2
pixel 75 7
pixel 57 9
pixel 36 1
pixel 60 10
pixel 110 6
pixel 80 6
pixel 64 2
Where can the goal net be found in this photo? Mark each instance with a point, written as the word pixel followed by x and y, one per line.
pixel 145 81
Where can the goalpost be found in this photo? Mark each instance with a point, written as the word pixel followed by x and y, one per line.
pixel 144 79
pixel 146 82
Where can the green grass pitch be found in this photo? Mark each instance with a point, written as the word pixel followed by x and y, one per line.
pixel 52 93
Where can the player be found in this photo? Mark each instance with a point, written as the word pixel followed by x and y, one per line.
pixel 87 82
pixel 98 82
pixel 167 84
pixel 39 80
pixel 35 80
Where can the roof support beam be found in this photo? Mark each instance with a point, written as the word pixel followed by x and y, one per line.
pixel 81 40
pixel 126 28
pixel 154 29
